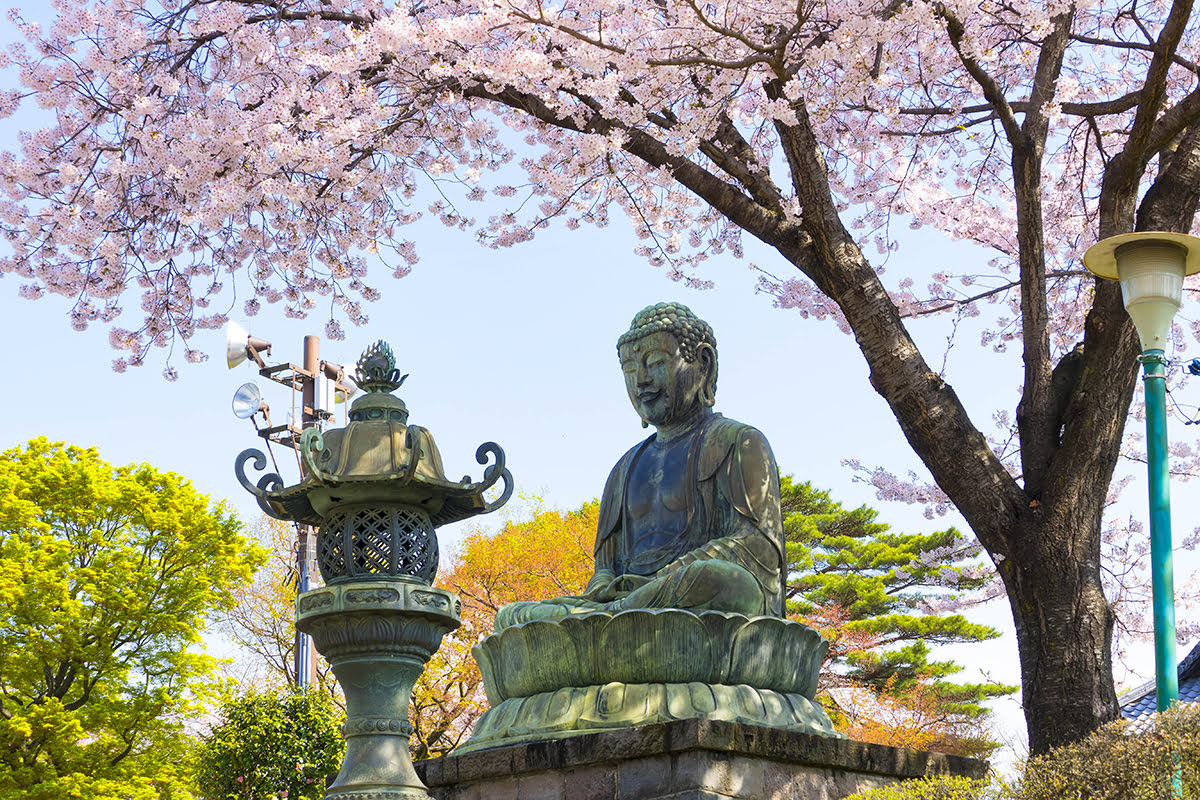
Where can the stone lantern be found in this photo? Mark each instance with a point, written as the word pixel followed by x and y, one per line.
pixel 377 491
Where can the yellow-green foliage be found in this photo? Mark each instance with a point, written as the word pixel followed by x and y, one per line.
pixel 1111 764
pixel 107 577
pixel 1114 764
pixel 938 787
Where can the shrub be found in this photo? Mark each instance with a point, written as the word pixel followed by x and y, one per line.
pixel 1112 764
pixel 1116 764
pixel 935 787
pixel 269 745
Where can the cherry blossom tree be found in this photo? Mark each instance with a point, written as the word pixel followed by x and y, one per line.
pixel 208 154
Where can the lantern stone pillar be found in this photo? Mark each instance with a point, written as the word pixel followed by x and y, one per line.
pixel 377 636
pixel 377 492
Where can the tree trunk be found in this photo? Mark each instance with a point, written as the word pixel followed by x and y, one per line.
pixel 1064 632
pixel 1046 546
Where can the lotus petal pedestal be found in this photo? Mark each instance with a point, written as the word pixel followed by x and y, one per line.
pixel 377 636
pixel 597 671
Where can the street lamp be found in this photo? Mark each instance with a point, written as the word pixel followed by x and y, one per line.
pixel 1151 266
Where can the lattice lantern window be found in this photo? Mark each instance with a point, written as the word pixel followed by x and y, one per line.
pixel 375 541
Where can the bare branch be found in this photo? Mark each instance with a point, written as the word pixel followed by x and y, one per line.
pixel 966 301
pixel 1187 64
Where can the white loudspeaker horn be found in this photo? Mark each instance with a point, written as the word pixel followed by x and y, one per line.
pixel 235 344
pixel 247 401
pixel 345 386
pixel 240 345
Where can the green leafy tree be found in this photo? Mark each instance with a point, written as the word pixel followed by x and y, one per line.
pixel 880 597
pixel 270 745
pixel 107 577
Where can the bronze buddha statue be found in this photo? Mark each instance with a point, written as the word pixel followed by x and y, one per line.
pixel 690 516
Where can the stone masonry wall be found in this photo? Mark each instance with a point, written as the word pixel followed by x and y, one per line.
pixel 683 760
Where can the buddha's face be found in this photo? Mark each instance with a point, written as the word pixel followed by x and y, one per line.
pixel 663 387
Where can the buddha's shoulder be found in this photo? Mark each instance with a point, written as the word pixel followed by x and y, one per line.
pixel 720 438
pixel 724 433
pixel 726 439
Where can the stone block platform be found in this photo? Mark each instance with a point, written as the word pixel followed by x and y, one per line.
pixel 692 759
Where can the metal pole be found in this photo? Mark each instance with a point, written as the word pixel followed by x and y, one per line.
pixel 1161 567
pixel 305 663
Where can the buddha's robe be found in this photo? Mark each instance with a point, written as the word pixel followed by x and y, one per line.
pixel 714 539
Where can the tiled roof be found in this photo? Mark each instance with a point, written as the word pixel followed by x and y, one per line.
pixel 1140 704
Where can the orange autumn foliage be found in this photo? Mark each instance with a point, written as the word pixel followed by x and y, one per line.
pixel 916 718
pixel 549 555
pixel 831 621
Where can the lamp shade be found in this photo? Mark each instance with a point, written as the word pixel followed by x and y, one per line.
pixel 1151 267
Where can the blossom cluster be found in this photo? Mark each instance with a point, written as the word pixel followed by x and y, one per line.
pixel 225 155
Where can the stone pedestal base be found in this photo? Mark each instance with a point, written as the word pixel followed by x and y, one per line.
pixel 693 759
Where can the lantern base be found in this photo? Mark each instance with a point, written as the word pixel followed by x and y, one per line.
pixel 377 636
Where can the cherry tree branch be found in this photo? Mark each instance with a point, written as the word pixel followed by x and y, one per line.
pixel 1097 108
pixel 1174 120
pixel 325 13
pixel 991 90
pixel 1187 64
pixel 1001 289
pixel 1037 421
pixel 1171 202
pixel 723 196
pixel 1119 187
pixel 928 410
pixel 738 160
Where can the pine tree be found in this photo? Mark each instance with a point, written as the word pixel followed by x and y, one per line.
pixel 880 598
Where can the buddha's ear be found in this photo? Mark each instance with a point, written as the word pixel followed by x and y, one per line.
pixel 707 356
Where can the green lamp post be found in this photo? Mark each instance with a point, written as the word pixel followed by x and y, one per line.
pixel 1151 267
pixel 377 491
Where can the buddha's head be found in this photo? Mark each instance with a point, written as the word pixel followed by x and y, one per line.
pixel 669 356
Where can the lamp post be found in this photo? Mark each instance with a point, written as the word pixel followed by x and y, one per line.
pixel 1151 266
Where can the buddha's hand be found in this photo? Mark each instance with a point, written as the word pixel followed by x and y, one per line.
pixel 605 587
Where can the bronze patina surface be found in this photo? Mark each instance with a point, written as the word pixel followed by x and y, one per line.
pixel 690 530
pixel 690 516
pixel 377 490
